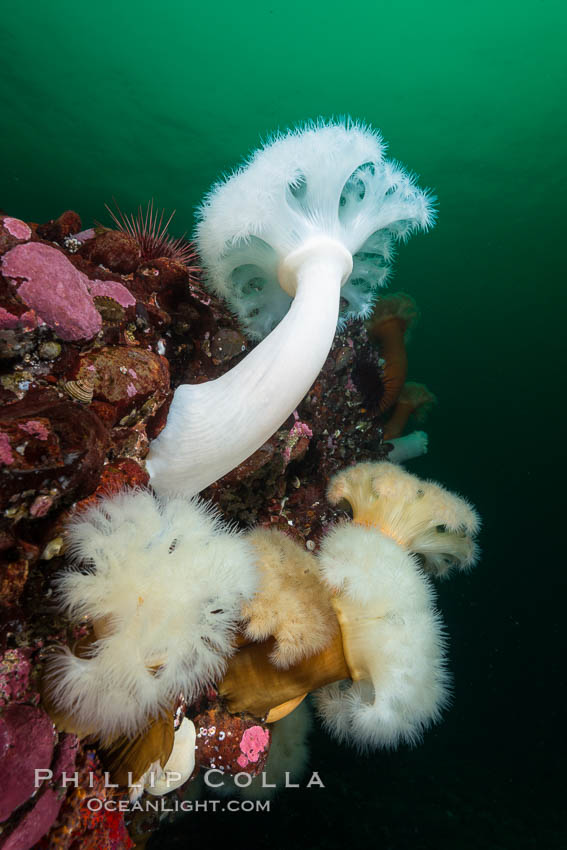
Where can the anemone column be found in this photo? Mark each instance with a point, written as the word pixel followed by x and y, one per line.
pixel 310 218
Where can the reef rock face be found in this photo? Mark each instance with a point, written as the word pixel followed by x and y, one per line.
pixel 232 744
pixel 50 447
pixel 94 338
pixel 27 738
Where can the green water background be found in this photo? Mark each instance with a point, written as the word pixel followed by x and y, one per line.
pixel 135 100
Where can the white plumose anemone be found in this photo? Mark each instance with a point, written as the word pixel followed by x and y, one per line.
pixel 322 180
pixel 311 217
pixel 392 637
pixel 162 583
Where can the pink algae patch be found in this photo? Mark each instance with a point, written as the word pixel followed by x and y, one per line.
pixel 112 289
pixel 54 288
pixel 6 456
pixel 131 390
pixel 61 295
pixel 17 228
pixel 254 741
pixel 297 431
pixel 84 235
pixel 35 428
pixel 8 321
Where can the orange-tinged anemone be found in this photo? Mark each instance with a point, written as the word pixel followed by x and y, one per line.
pixel 369 576
pixel 393 637
pixel 388 651
pixel 290 604
pixel 290 637
pixel 392 319
pixel 421 516
pixel 414 399
pixel 369 582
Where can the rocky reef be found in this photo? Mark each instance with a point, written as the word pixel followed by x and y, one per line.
pixel 94 339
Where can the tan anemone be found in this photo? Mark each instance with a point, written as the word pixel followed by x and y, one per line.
pixel 392 318
pixel 388 648
pixel 414 399
pixel 422 516
pixel 290 605
pixel 290 640
pixel 369 574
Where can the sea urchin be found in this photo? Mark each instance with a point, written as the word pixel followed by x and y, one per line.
pixel 150 232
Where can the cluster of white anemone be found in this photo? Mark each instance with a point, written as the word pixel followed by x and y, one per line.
pixel 162 582
pixel 164 585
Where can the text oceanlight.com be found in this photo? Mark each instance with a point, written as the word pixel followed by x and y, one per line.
pixel 162 805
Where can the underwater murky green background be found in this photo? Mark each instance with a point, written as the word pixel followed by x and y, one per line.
pixel 141 99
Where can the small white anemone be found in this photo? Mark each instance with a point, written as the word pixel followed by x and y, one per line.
pixel 409 447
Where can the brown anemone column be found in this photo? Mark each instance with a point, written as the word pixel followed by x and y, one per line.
pixel 413 398
pixel 254 684
pixel 391 319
